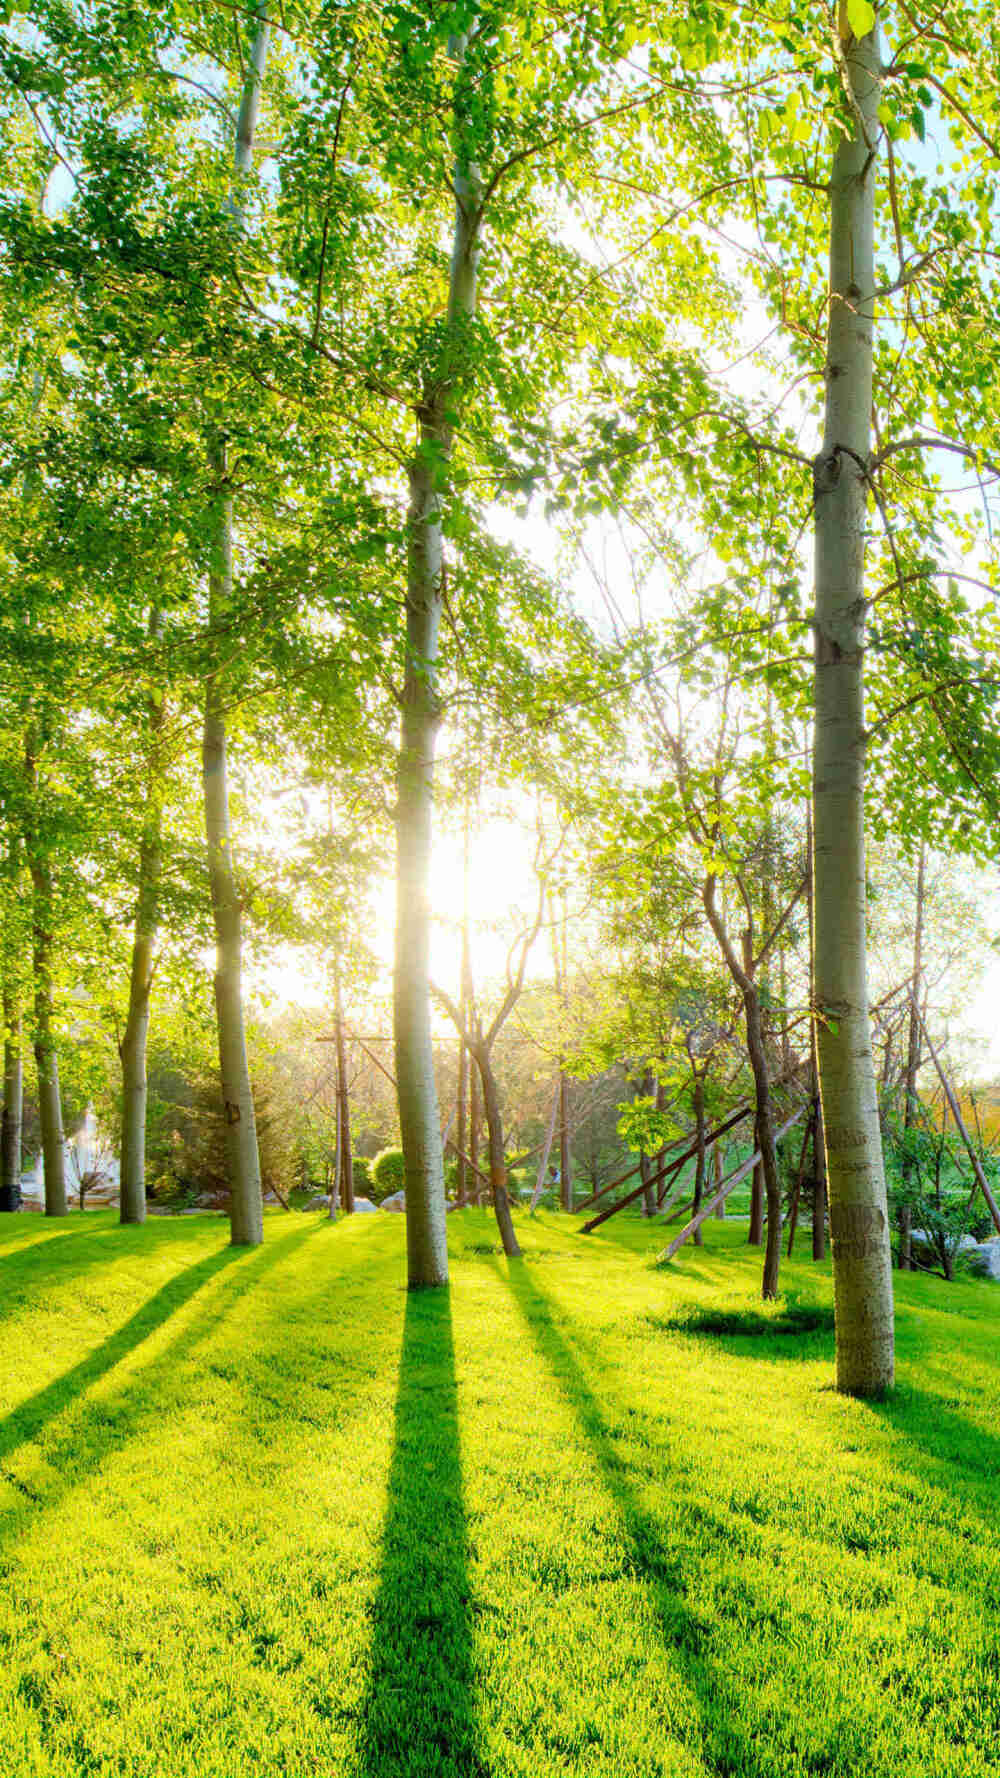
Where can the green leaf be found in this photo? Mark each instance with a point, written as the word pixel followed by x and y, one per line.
pixel 860 17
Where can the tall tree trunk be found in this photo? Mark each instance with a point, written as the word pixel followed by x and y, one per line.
pixel 720 1208
pixel 343 1104
pixel 246 1210
pixel 565 1155
pixel 764 1125
pixel 13 1100
pixel 819 1145
pixel 910 1102
pixel 755 1234
pixel 46 1060
pixel 498 1169
pixel 132 1049
pixel 858 1213
pixel 426 1239
pixel 246 1213
pixel 699 1164
pixel 475 1124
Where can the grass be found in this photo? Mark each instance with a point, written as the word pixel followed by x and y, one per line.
pixel 264 1513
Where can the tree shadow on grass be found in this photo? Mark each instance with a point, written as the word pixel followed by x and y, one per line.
pixel 29 1419
pixel 727 1752
pixel 418 1719
pixel 947 1447
pixel 71 1251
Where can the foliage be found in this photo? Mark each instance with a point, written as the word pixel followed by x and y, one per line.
pixel 387 1173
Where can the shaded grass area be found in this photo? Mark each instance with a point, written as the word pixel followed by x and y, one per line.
pixel 264 1513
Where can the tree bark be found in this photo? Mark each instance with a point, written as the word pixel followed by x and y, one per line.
pixel 858 1212
pixel 910 1102
pixel 720 1208
pixel 819 1146
pixel 246 1211
pixel 475 1122
pixel 498 1169
pixel 741 974
pixel 46 1060
pixel 419 1122
pixel 565 1156
pixel 343 1105
pixel 132 1049
pixel 13 1102
pixel 699 1162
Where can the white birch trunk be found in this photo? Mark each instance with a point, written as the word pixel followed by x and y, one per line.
pixel 856 1183
pixel 419 1120
pixel 246 1214
pixel 133 1044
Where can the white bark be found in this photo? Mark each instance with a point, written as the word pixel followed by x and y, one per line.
pixel 133 1043
pixel 427 1250
pixel 246 1213
pixel 858 1217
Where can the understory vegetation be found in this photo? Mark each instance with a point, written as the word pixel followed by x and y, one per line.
pixel 579 1514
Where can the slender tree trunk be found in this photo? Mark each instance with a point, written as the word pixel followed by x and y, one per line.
pixel 343 1106
pixel 46 1060
pixel 858 1213
pixel 565 1155
pixel 338 1151
pixel 765 1142
pixel 764 1125
pixel 246 1211
pixel 699 1164
pixel 819 1146
pixel 475 1124
pixel 132 1049
pixel 246 1214
pixel 498 1170
pixel 427 1251
pixel 910 1102
pixel 755 1235
pixel 13 1099
pixel 646 1167
pixel 720 1208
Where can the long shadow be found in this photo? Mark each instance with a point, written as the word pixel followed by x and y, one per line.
pixel 948 1448
pixel 73 1250
pixel 418 1715
pixel 27 1419
pixel 101 1427
pixel 726 1751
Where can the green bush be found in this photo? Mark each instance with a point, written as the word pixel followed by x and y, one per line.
pixel 361 1173
pixel 387 1173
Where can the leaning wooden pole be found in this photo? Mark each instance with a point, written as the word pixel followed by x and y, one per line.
pixel 727 1186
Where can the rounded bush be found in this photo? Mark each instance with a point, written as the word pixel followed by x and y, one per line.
pixel 387 1172
pixel 361 1172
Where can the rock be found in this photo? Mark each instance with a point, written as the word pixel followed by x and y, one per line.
pixel 271 1198
pixel 319 1202
pixel 364 1204
pixel 205 1201
pixel 395 1201
pixel 984 1259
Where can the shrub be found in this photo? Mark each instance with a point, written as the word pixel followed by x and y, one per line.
pixel 361 1173
pixel 387 1173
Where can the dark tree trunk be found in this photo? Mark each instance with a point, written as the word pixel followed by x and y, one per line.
pixel 13 1098
pixel 343 1107
pixel 910 1102
pixel 565 1158
pixel 699 1165
pixel 498 1170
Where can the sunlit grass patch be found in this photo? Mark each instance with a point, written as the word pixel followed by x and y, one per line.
pixel 263 1513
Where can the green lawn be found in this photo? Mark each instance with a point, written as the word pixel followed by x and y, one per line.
pixel 264 1513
